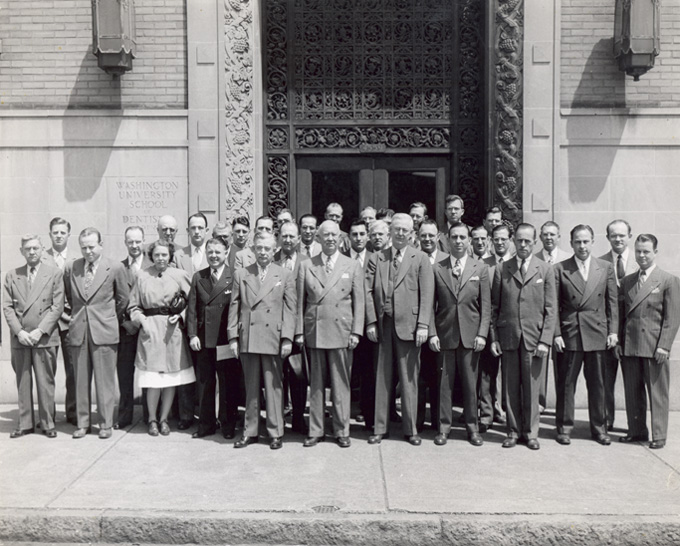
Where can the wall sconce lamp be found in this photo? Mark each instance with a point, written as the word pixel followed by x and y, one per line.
pixel 636 35
pixel 113 35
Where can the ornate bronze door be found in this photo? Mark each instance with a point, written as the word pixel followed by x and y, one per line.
pixel 368 86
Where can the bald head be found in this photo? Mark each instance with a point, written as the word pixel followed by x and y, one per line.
pixel 167 228
pixel 329 233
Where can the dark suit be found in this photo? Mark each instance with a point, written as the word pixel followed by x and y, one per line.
pixel 652 318
pixel 94 334
pixel 28 309
pixel 207 317
pixel 462 312
pixel 524 315
pixel 398 302
pixel 588 314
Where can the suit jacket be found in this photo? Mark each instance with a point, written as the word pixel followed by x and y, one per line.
pixel 460 313
pixel 523 308
pixel 652 313
pixel 588 312
pixel 262 314
pixel 244 258
pixel 278 259
pixel 40 307
pixel 413 296
pixel 208 307
pixel 131 278
pixel 314 248
pixel 103 309
pixel 231 257
pixel 492 264
pixel 48 258
pixel 560 255
pixel 330 308
pixel 631 266
pixel 183 260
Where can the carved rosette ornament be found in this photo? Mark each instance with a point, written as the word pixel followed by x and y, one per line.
pixel 240 129
pixel 509 61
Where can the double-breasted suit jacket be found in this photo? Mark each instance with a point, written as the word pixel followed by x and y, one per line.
pixel 588 314
pixel 524 315
pixel 462 312
pixel 39 306
pixel 651 322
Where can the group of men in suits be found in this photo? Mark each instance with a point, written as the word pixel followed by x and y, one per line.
pixel 393 303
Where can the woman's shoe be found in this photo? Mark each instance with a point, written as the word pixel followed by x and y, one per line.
pixel 165 428
pixel 153 428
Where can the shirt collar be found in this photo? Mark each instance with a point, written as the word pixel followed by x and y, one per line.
pixel 585 263
pixel 462 260
pixel 195 249
pixel 519 261
pixel 95 264
pixel 649 270
pixel 624 256
pixel 219 271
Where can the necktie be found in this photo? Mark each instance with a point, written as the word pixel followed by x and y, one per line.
pixel 523 268
pixel 457 269
pixel 551 258
pixel 135 266
pixel 308 250
pixel 395 262
pixel 31 277
pixel 288 262
pixel 643 277
pixel 620 270
pixel 329 266
pixel 431 258
pixel 89 277
pixel 59 260
pixel 196 259
pixel 215 278
pixel 263 274
pixel 582 269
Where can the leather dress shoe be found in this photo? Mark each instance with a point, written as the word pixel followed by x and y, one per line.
pixel 441 439
pixel 414 440
pixel 510 442
pixel 105 433
pixel 184 424
pixel 311 441
pixel 343 441
pixel 122 424
pixel 203 433
pixel 603 439
pixel 563 439
pixel 50 433
pixel 164 428
pixel 377 438
pixel 631 439
pixel 475 439
pixel 246 441
pixel 81 433
pixel 532 443
pixel 228 433
pixel 18 433
pixel 657 444
pixel 153 428
pixel 360 418
pixel 276 443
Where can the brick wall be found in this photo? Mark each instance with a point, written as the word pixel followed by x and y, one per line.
pixel 590 75
pixel 47 61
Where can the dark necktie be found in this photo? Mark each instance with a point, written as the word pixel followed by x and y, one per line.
pixel 523 268
pixel 395 262
pixel 620 270
pixel 457 269
pixel 308 249
pixel 215 278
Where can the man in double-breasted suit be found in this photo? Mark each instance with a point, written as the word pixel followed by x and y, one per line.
pixel 651 322
pixel 522 327
pixel 619 234
pixel 330 321
pixel 261 329
pixel 399 298
pixel 247 256
pixel 32 302
pixel 588 325
pixel 97 290
pixel 459 327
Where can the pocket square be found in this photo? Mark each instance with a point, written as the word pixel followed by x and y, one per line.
pixel 539 281
pixel 278 283
pixel 345 275
pixel 227 291
pixel 475 278
pixel 656 291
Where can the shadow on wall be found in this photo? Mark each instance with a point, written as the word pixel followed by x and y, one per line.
pixel 85 165
pixel 602 85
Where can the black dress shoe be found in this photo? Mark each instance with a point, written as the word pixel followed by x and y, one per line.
pixel 246 441
pixel 203 433
pixel 343 441
pixel 533 444
pixel 414 440
pixel 657 444
pixel 184 424
pixel 50 433
pixel 276 443
pixel 563 439
pixel 630 439
pixel 18 433
pixel 475 439
pixel 510 442
pixel 603 439
pixel 377 438
pixel 360 418
pixel 228 433
pixel 311 441
pixel 440 439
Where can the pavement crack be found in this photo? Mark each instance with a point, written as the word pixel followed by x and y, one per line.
pixel 384 479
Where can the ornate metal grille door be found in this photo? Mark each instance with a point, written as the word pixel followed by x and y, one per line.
pixel 375 77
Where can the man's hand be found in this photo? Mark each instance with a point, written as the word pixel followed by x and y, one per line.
pixel 353 341
pixel 479 344
pixel 286 348
pixel 300 340
pixel 612 341
pixel 618 352
pixel 558 342
pixel 496 349
pixel 372 333
pixel 233 347
pixel 35 336
pixel 129 327
pixel 434 344
pixel 661 356
pixel 421 336
pixel 25 338
pixel 195 343
pixel 542 350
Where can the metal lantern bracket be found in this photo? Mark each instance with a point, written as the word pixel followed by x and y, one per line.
pixel 637 32
pixel 113 35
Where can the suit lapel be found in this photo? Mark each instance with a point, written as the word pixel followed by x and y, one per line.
pixel 406 260
pixel 341 267
pixel 532 270
pixel 38 284
pixel 470 268
pixel 319 270
pixel 384 269
pixel 574 275
pixel 445 271
pixel 220 285
pixel 514 270
pixel 78 272
pixel 99 277
pixel 594 276
pixel 22 282
pixel 270 281
pixel 645 290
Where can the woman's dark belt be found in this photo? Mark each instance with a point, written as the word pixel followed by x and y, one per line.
pixel 157 311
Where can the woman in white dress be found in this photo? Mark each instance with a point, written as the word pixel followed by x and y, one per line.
pixel 163 361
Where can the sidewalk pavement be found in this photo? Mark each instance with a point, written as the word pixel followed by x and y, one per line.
pixel 134 488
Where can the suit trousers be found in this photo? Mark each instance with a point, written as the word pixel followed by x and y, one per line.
pixel 406 355
pixel 232 376
pixel 332 366
pixel 125 367
pixel 609 371
pixel 363 366
pixel 187 395
pixel 43 362
pixel 69 372
pixel 466 362
pixel 428 383
pixel 489 405
pixel 569 366
pixel 523 374
pixel 656 377
pixel 255 368
pixel 296 382
pixel 208 373
pixel 98 360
